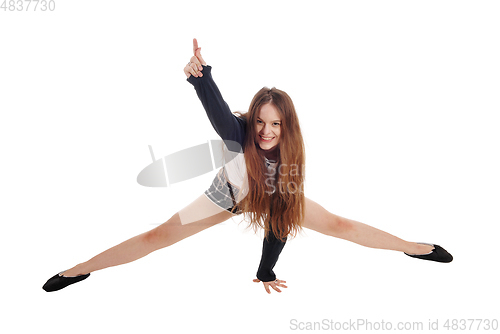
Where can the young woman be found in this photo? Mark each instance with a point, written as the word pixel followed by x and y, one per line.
pixel 262 178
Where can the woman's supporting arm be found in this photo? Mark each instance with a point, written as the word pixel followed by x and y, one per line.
pixel 271 250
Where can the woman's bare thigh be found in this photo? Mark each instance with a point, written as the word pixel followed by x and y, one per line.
pixel 319 219
pixel 196 217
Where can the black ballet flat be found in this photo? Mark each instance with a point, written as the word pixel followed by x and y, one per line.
pixel 438 254
pixel 58 282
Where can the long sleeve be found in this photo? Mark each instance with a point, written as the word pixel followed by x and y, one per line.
pixel 271 250
pixel 226 124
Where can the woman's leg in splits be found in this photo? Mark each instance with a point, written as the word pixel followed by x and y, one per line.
pixel 320 220
pixel 196 217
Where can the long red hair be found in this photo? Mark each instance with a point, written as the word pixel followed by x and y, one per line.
pixel 283 210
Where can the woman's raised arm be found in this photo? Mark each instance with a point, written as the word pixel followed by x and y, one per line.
pixel 229 127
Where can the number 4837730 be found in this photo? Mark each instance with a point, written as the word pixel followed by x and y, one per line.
pixel 28 5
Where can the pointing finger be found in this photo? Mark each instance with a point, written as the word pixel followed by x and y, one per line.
pixel 195 45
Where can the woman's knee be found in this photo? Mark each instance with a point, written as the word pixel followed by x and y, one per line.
pixel 152 236
pixel 160 234
pixel 339 226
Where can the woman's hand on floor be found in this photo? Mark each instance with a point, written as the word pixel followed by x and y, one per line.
pixel 273 284
pixel 194 66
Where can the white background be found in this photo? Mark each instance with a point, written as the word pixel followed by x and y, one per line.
pixel 398 103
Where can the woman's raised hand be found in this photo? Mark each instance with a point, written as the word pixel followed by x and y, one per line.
pixel 273 284
pixel 194 66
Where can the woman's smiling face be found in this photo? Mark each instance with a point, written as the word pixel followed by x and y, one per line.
pixel 268 127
